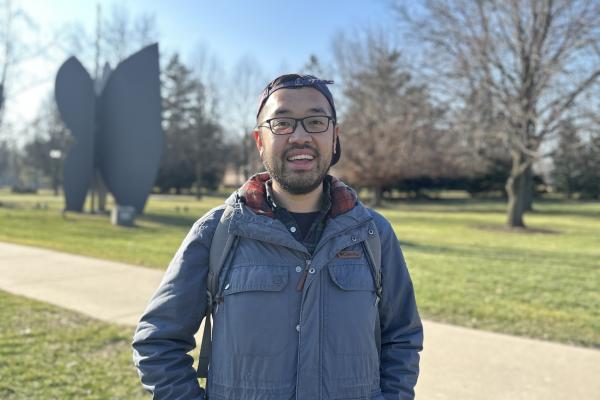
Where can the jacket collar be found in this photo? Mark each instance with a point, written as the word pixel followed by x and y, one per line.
pixel 253 194
pixel 252 217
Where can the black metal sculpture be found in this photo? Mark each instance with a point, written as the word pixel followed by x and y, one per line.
pixel 118 132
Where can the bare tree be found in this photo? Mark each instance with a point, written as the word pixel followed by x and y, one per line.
pixel 208 69
pixel 314 66
pixel 390 130
pixel 534 60
pixel 7 38
pixel 116 35
pixel 15 48
pixel 120 34
pixel 246 82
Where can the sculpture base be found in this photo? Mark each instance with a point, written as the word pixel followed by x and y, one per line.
pixel 123 215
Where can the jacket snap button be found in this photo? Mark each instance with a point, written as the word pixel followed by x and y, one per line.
pixel 312 270
pixel 298 268
pixel 293 229
pixel 371 231
pixel 353 238
pixel 298 327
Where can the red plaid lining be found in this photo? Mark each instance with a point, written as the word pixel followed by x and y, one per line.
pixel 253 193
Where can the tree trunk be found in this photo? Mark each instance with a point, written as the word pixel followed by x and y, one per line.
pixel 198 187
pixel 377 196
pixel 516 194
pixel 55 177
pixel 528 188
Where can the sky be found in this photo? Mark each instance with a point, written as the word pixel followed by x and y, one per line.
pixel 279 35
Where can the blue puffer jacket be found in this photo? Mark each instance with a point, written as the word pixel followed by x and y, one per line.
pixel 272 341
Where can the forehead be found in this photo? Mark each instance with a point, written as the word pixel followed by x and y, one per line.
pixel 301 101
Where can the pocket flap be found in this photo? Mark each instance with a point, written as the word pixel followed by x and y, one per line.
pixel 352 277
pixel 256 278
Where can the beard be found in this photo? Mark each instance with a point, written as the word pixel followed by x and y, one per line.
pixel 297 181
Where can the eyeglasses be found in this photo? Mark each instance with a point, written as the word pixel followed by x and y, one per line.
pixel 286 125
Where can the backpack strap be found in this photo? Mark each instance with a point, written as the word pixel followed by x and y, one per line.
pixel 372 247
pixel 220 246
pixel 221 243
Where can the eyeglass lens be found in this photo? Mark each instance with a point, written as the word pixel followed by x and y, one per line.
pixel 284 126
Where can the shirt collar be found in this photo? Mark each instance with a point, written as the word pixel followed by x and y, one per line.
pixel 325 205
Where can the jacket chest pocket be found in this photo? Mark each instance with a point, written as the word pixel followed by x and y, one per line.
pixel 351 309
pixel 255 314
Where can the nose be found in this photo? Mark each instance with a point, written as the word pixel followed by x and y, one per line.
pixel 300 135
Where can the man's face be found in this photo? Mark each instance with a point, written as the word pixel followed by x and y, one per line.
pixel 299 161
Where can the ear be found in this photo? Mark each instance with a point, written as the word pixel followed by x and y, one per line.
pixel 258 141
pixel 336 133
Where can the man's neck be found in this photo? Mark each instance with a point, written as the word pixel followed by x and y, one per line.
pixel 299 203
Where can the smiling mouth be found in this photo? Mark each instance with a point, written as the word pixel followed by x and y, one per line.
pixel 301 157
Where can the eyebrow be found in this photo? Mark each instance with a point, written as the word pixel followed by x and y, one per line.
pixel 316 110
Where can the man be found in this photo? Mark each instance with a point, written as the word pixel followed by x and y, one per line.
pixel 299 314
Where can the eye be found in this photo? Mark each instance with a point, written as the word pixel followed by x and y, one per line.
pixel 281 123
pixel 316 121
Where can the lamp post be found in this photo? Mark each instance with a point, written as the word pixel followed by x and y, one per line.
pixel 55 155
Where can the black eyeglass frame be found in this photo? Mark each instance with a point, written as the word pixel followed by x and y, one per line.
pixel 268 122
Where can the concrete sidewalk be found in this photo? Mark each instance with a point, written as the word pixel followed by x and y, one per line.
pixel 457 363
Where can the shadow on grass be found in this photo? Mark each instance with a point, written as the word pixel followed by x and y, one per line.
pixel 556 258
pixel 491 205
pixel 523 231
pixel 575 213
pixel 169 219
pixel 6 204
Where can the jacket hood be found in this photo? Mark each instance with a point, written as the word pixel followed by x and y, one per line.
pixel 253 194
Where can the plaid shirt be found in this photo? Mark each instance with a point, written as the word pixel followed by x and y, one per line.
pixel 339 198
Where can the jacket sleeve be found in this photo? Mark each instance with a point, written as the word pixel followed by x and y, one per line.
pixel 401 328
pixel 165 333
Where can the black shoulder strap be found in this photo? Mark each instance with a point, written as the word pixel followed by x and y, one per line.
pixel 220 246
pixel 372 247
pixel 219 250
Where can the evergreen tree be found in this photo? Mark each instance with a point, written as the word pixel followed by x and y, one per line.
pixel 208 149
pixel 568 160
pixel 590 171
pixel 179 90
pixel 194 145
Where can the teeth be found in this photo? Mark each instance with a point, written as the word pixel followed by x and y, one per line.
pixel 301 157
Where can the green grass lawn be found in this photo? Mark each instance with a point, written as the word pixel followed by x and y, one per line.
pixel 467 269
pixel 152 242
pixel 50 353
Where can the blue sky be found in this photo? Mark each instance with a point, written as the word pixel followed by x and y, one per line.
pixel 277 34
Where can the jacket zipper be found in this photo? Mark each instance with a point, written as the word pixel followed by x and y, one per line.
pixel 321 244
pixel 302 280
